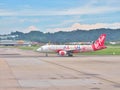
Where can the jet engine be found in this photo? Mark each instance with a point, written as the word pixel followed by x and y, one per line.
pixel 62 53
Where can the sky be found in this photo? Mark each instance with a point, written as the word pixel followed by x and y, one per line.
pixel 58 15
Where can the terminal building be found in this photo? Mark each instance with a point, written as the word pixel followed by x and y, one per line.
pixel 10 40
pixel 14 43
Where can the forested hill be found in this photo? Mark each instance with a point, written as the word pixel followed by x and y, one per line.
pixel 72 36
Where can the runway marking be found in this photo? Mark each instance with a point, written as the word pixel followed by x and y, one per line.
pixel 13 80
pixel 84 73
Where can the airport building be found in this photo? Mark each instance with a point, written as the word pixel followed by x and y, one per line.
pixel 14 43
pixel 10 40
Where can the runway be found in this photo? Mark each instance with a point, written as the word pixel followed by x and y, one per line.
pixel 28 70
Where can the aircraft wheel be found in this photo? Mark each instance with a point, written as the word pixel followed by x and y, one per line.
pixel 70 54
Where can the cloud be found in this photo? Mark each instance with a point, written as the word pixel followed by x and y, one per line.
pixel 7 30
pixel 93 7
pixel 34 20
pixel 31 28
pixel 76 26
pixel 94 26
pixel 73 11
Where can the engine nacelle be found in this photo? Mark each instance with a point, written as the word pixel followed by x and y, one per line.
pixel 62 53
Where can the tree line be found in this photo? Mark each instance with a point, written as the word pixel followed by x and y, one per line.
pixel 71 36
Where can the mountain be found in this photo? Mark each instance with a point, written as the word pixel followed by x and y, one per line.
pixel 71 36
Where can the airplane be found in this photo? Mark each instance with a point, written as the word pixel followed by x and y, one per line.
pixel 68 50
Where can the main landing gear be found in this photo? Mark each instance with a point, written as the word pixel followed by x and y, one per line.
pixel 70 54
pixel 46 54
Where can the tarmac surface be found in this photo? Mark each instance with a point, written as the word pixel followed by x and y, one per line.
pixel 28 70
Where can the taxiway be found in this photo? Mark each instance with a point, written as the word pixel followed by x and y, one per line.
pixel 28 70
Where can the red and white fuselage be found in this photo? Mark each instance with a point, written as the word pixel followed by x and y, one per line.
pixel 63 50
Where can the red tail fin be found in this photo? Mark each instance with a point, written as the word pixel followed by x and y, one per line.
pixel 99 43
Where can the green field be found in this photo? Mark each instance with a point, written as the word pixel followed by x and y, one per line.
pixel 110 50
pixel 28 47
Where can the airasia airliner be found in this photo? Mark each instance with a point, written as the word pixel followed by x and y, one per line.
pixel 68 50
